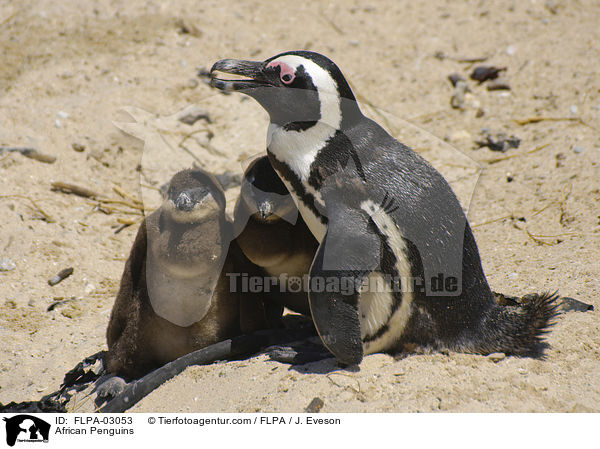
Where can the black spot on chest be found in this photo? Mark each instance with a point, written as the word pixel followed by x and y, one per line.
pixel 333 158
pixel 292 178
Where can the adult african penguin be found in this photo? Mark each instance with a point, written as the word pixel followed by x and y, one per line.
pixel 273 236
pixel 385 219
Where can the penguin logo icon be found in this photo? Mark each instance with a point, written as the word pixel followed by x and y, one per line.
pixel 26 428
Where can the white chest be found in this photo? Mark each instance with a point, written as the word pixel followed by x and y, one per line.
pixel 181 300
pixel 298 150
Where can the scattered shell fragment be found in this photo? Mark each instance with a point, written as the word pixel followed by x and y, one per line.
pixel 192 114
pixel 62 275
pixel 496 356
pixel 6 264
pixel 457 101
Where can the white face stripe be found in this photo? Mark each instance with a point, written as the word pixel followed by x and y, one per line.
pixel 399 319
pixel 298 149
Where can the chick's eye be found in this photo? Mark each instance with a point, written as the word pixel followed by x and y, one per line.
pixel 287 78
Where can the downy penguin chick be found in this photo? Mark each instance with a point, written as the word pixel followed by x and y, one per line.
pixel 274 236
pixel 174 296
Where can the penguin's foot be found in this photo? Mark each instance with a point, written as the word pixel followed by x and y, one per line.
pixel 299 353
pixel 111 387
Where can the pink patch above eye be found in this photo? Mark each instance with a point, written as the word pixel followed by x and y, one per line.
pixel 286 73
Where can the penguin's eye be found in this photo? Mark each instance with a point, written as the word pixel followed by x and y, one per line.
pixel 287 73
pixel 287 78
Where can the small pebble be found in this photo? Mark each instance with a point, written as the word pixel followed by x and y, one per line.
pixel 315 406
pixel 460 135
pixel 89 288
pixel 192 83
pixel 7 264
pixel 511 50
pixel 62 114
pixel 578 149
pixel 457 101
pixel 455 78
pixel 496 356
pixel 78 147
pixel 574 110
pixel 484 72
pixel 353 42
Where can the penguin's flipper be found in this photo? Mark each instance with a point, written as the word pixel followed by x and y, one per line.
pixel 349 252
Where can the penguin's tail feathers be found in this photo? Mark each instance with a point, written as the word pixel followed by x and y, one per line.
pixel 519 330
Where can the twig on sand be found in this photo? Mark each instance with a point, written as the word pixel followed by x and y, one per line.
pixel 493 220
pixel 510 156
pixel 64 187
pixel 126 195
pixel 469 60
pixel 537 237
pixel 332 24
pixel 9 18
pixel 61 302
pixel 137 206
pixel 211 149
pixel 126 222
pixel 541 118
pixel 31 153
pixel 62 275
pixel 47 217
pixel 357 390
pixel 84 192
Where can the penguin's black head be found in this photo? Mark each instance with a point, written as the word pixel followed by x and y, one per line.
pixel 264 195
pixel 192 196
pixel 297 88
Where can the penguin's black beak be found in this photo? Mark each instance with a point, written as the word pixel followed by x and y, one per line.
pixel 253 70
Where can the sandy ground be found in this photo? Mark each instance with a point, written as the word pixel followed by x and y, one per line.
pixel 68 72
